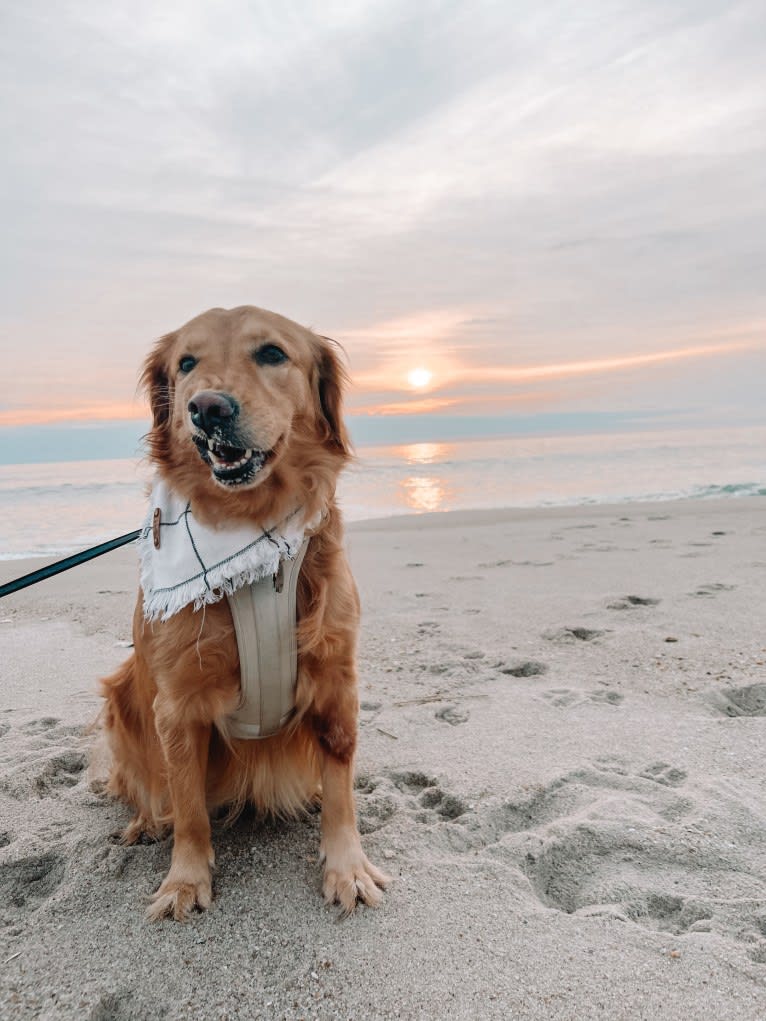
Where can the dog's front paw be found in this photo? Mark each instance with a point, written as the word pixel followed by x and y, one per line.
pixel 179 895
pixel 349 877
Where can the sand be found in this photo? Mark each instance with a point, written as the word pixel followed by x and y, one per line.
pixel 561 763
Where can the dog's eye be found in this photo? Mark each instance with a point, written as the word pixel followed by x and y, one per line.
pixel 187 363
pixel 270 354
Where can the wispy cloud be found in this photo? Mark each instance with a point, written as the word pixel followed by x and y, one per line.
pixel 598 366
pixel 84 413
pixel 415 406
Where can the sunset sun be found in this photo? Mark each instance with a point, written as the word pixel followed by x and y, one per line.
pixel 418 378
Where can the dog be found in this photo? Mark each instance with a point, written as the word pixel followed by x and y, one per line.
pixel 247 424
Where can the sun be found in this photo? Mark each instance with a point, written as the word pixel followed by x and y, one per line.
pixel 418 378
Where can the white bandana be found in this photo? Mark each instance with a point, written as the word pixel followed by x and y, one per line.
pixel 194 563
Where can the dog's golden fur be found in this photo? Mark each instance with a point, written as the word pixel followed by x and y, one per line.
pixel 166 707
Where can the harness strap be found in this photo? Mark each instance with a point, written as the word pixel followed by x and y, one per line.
pixel 265 621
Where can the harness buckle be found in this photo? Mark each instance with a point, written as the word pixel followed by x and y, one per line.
pixel 156 522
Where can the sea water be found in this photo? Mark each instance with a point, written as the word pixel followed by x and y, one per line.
pixel 54 509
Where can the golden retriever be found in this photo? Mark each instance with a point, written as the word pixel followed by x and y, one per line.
pixel 281 443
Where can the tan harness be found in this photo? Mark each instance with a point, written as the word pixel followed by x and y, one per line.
pixel 265 620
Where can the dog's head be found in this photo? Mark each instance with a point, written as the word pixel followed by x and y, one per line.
pixel 244 397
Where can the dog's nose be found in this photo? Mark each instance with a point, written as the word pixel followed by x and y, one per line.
pixel 210 409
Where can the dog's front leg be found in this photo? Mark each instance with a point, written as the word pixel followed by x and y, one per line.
pixel 187 884
pixel 348 875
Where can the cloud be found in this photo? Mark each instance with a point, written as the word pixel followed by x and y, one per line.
pixel 541 184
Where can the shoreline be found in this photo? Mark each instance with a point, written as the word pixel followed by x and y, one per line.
pixel 479 514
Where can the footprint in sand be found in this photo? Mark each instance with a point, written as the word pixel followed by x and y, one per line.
pixel 445 805
pixel 571 795
pixel 410 781
pixel 380 798
pixel 661 772
pixel 375 810
pixel 571 635
pixel 41 726
pixel 50 728
pixel 425 792
pixel 631 602
pixel 52 761
pixel 618 869
pixel 529 668
pixel 706 591
pixel 27 881
pixel 427 628
pixel 749 700
pixel 562 698
pixel 113 1007
pixel 544 804
pixel 125 1006
pixel 453 715
pixel 605 696
pixel 63 770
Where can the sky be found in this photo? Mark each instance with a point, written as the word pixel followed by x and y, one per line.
pixel 556 211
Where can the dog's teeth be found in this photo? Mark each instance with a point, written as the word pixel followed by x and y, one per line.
pixel 210 445
pixel 248 455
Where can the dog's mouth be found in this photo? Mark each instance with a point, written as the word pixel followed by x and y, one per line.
pixel 230 465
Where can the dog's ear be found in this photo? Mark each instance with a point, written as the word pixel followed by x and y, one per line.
pixel 332 380
pixel 158 385
pixel 156 382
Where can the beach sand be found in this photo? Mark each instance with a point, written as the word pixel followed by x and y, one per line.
pixel 561 763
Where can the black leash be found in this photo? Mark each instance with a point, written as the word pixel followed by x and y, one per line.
pixel 67 563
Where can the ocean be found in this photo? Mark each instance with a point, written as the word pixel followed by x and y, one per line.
pixel 55 509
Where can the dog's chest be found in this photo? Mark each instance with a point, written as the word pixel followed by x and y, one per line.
pixel 265 623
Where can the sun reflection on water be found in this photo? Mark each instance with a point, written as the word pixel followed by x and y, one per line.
pixel 422 453
pixel 430 492
pixel 426 492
